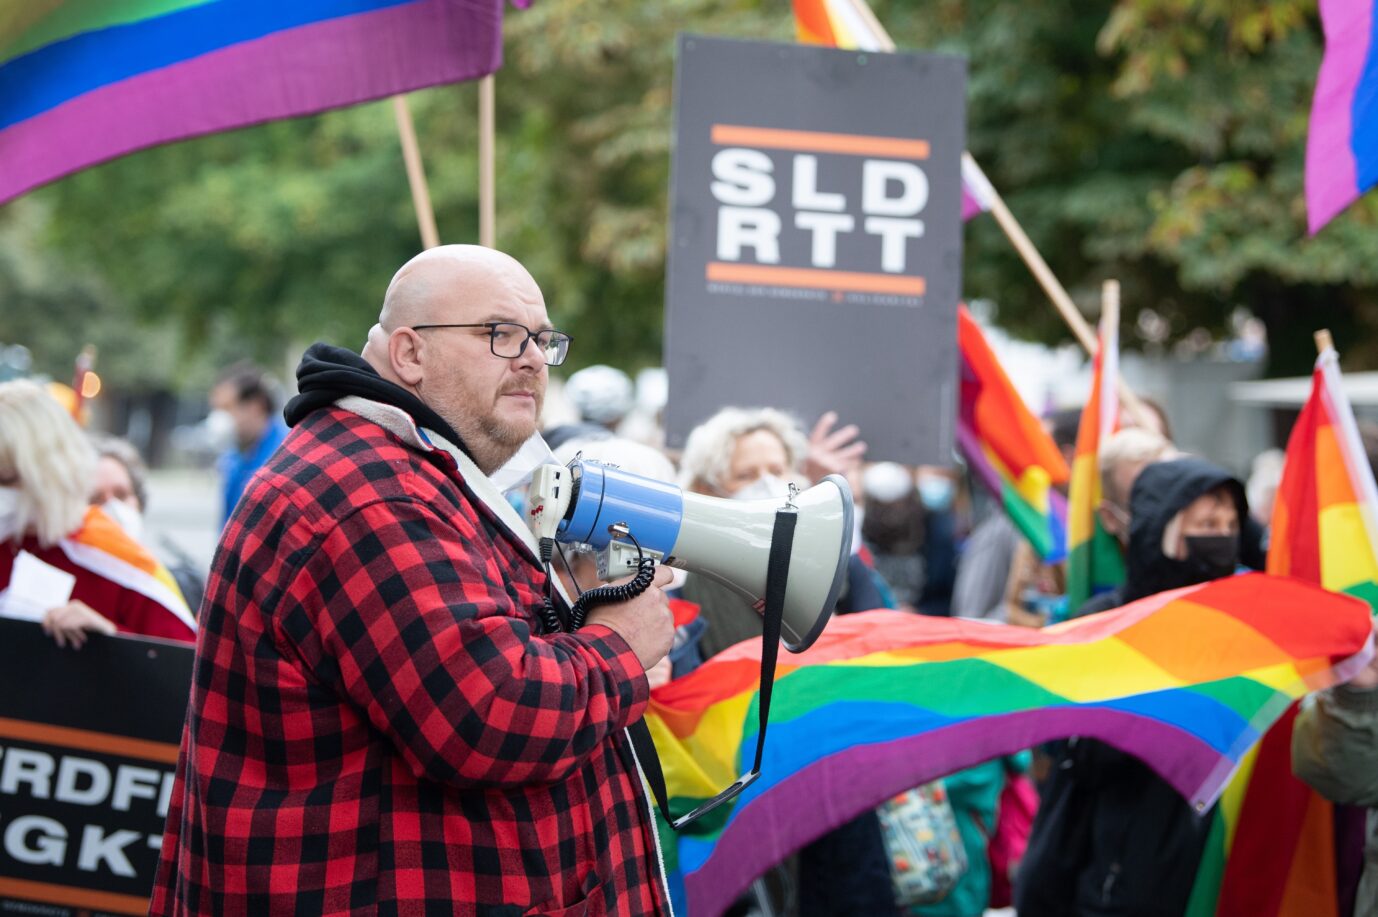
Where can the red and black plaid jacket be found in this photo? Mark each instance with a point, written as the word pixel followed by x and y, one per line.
pixel 376 723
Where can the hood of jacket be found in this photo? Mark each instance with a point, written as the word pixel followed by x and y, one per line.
pixel 327 374
pixel 1161 491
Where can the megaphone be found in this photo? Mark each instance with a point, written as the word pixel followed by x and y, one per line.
pixel 626 517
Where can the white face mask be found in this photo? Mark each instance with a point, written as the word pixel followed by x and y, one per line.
pixel 766 486
pixel 220 430
pixel 126 517
pixel 9 513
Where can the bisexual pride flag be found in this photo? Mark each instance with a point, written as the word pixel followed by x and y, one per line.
pixel 83 82
pixel 1342 144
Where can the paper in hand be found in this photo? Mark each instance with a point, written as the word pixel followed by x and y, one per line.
pixel 35 588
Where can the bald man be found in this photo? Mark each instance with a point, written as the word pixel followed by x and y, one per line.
pixel 380 721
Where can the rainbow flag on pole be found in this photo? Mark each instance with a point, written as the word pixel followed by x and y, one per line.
pixel 849 24
pixel 81 83
pixel 1342 144
pixel 1271 852
pixel 1094 562
pixel 1006 447
pixel 885 701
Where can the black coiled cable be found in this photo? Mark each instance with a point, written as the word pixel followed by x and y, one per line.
pixel 600 595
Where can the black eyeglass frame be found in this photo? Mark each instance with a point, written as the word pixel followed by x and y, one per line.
pixel 530 336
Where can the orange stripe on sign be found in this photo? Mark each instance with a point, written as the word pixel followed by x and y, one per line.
pixel 817 142
pixel 813 279
pixel 85 740
pixel 46 893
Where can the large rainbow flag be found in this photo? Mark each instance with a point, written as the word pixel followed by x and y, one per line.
pixel 1342 144
pixel 1271 852
pixel 1006 447
pixel 850 24
pixel 1094 561
pixel 83 82
pixel 885 701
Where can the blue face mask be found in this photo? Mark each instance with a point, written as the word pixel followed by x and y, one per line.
pixel 936 493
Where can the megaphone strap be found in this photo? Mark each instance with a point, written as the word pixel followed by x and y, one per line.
pixel 777 578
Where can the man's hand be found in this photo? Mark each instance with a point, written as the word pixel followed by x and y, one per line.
pixel 659 674
pixel 68 624
pixel 833 451
pixel 644 622
pixel 1367 679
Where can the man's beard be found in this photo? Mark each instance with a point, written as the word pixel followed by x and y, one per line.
pixel 491 440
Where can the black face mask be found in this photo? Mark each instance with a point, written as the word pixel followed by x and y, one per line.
pixel 1212 556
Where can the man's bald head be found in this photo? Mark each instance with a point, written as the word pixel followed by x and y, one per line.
pixel 430 287
pixel 434 336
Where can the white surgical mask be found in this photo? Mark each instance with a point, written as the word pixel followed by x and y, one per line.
pixel 220 430
pixel 766 486
pixel 9 513
pixel 126 517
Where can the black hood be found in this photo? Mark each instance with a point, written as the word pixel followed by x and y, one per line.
pixel 1161 491
pixel 328 373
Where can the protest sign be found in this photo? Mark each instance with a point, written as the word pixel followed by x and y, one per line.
pixel 88 747
pixel 815 239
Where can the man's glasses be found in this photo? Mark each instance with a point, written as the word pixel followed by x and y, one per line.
pixel 509 339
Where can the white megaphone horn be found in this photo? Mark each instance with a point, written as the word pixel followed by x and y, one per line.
pixel 626 516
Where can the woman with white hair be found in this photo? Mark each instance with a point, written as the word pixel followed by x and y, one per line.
pixel 47 469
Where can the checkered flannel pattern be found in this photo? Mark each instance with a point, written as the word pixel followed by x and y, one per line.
pixel 376 723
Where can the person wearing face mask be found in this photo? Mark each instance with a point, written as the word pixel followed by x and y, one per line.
pixel 244 419
pixel 1112 838
pixel 46 469
pixel 121 490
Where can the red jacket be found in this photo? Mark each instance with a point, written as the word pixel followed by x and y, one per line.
pixel 377 724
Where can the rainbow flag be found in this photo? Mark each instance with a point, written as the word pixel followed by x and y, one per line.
pixel 83 82
pixel 850 24
pixel 885 701
pixel 1094 561
pixel 1271 851
pixel 1342 144
pixel 1006 447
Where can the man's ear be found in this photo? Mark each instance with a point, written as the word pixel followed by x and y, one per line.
pixel 405 355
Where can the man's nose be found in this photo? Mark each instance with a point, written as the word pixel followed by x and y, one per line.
pixel 532 358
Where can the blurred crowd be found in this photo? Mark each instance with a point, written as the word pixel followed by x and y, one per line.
pixel 1075 827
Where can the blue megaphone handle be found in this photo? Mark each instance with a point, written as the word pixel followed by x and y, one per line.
pixel 650 509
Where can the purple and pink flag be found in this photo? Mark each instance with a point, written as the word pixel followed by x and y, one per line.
pixel 1342 146
pixel 81 83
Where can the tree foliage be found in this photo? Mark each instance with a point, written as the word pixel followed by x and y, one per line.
pixel 1157 141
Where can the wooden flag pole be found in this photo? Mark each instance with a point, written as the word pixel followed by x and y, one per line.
pixel 416 173
pixel 487 171
pixel 1324 341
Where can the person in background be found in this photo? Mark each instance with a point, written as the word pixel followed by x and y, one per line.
pixel 937 489
pixel 975 798
pixel 893 528
pixel 601 394
pixel 121 489
pixel 46 469
pixel 1111 837
pixel 1335 750
pixel 244 408
pixel 752 454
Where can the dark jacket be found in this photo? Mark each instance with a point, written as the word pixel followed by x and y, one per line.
pixel 1111 838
